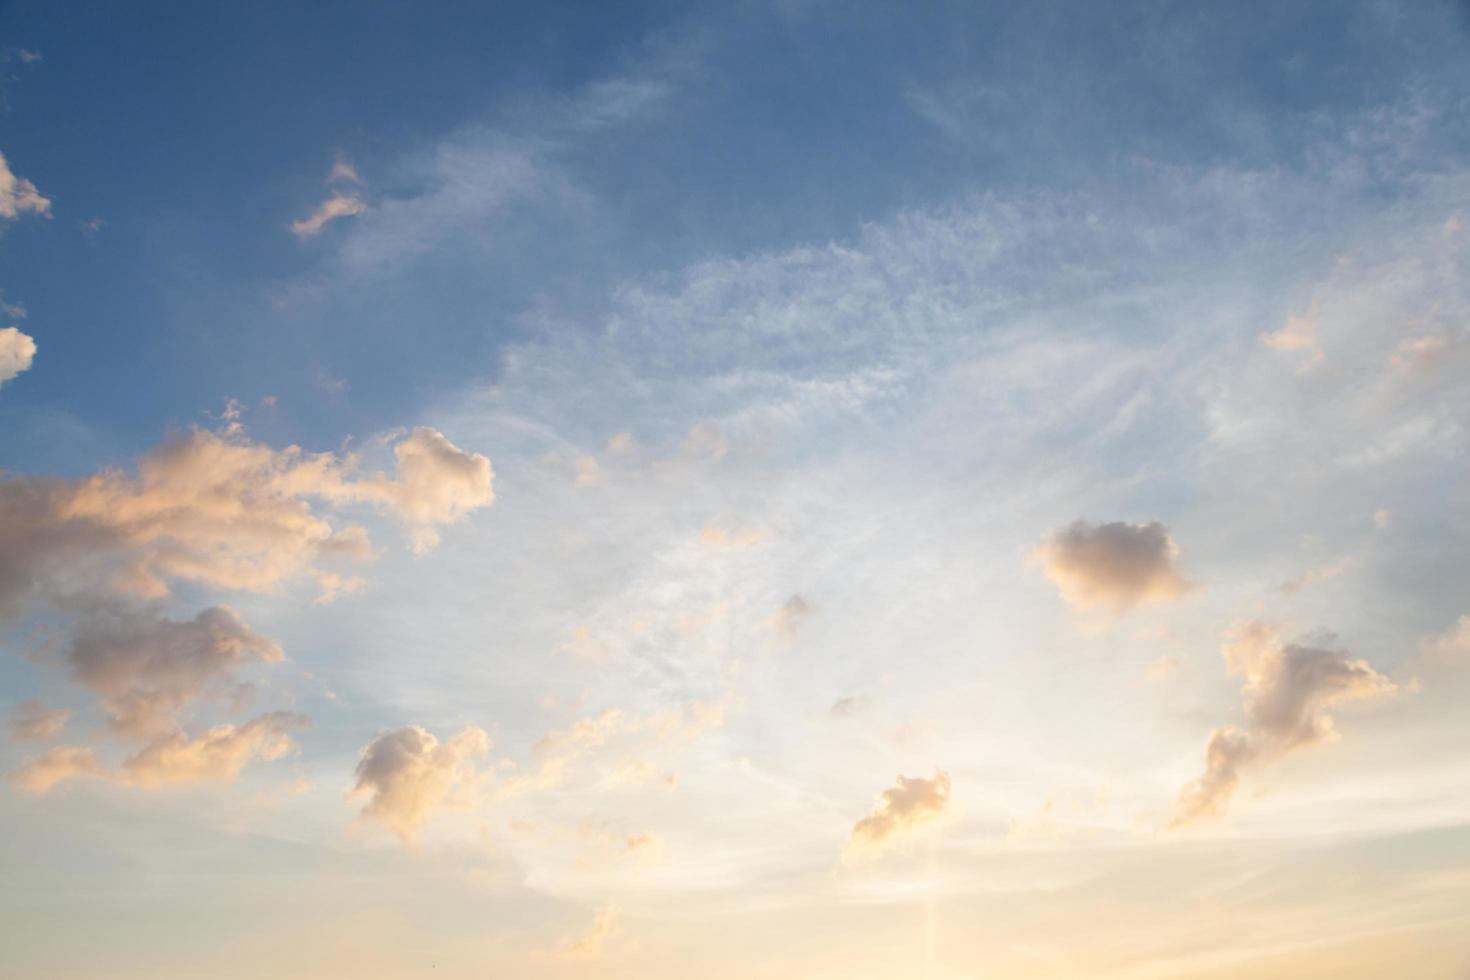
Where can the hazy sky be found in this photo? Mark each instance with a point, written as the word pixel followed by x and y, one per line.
pixel 794 489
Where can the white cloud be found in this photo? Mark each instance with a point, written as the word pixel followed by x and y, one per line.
pixel 19 196
pixel 17 352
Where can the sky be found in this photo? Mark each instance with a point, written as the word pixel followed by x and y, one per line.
pixel 782 489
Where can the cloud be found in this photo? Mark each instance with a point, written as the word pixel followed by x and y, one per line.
pixel 606 926
pixel 716 538
pixel 58 765
pixel 787 620
pixel 148 669
pixel 334 207
pixel 216 756
pixel 1299 333
pixel 17 352
pixel 343 172
pixel 219 510
pixel 32 720
pixel 409 775
pixel 18 195
pixel 911 803
pixel 1115 566
pixel 1313 576
pixel 438 483
pixel 1451 646
pixel 1288 689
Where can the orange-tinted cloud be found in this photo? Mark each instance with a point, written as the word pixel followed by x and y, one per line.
pixel 408 775
pixel 912 802
pixel 1113 566
pixel 1288 689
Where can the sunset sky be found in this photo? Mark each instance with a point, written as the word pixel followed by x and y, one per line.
pixel 774 488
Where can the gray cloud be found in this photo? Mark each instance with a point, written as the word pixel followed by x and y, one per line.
pixel 1114 566
pixel 1288 689
pixel 408 775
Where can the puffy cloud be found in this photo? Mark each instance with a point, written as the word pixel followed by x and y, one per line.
pixel 17 351
pixel 1115 566
pixel 1288 689
pixel 409 775
pixel 606 926
pixel 912 802
pixel 438 483
pixel 218 756
pixel 18 195
pixel 32 720
pixel 147 669
pixel 1228 751
pixel 220 510
pixel 334 207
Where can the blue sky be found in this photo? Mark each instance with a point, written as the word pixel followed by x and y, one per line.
pixel 706 412
pixel 196 135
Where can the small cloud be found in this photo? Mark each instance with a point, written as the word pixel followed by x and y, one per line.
pixel 1315 575
pixel 714 537
pixel 910 804
pixel 58 765
pixel 19 196
pixel 1114 566
pixel 588 473
pixel 846 707
pixel 17 353
pixel 606 926
pixel 331 385
pixel 787 621
pixel 1381 517
pixel 1299 334
pixel 706 442
pixel 343 172
pixel 92 227
pixel 1163 667
pixel 218 755
pixel 33 720
pixel 1288 689
pixel 1451 646
pixel 334 207
pixel 408 776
